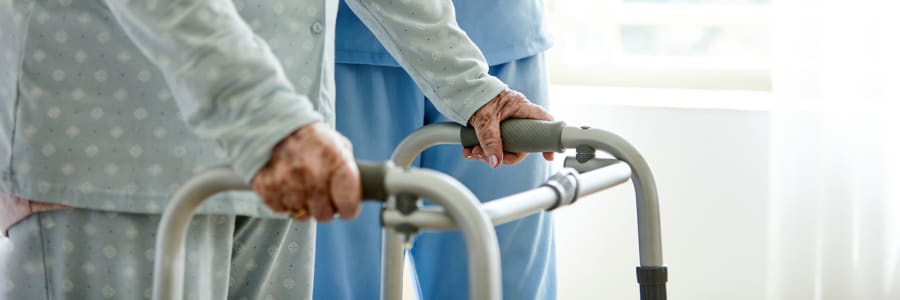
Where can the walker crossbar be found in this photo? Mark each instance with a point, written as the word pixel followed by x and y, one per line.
pixel 513 207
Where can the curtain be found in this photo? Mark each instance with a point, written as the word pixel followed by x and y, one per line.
pixel 834 210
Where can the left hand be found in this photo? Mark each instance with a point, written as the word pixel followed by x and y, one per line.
pixel 311 174
pixel 486 120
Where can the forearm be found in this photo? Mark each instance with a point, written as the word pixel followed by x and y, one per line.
pixel 227 83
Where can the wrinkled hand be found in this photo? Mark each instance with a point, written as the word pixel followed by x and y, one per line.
pixel 506 105
pixel 312 173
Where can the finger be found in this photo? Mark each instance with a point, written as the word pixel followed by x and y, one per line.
pixel 531 111
pixel 262 186
pixel 295 185
pixel 295 193
pixel 319 205
pixel 478 153
pixel 301 215
pixel 487 129
pixel 345 184
pixel 518 106
pixel 297 198
pixel 491 143
pixel 295 201
pixel 307 186
pixel 274 202
pixel 346 191
pixel 467 152
pixel 548 156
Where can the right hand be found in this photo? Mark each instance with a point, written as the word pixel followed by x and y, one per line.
pixel 312 173
pixel 486 120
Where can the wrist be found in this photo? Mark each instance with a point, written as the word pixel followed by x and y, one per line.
pixel 491 108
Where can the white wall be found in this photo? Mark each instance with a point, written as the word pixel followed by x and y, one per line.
pixel 711 169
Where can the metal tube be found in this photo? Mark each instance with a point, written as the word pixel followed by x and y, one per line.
pixel 506 209
pixel 516 206
pixel 391 264
pixel 649 237
pixel 601 179
pixel 427 218
pixel 462 206
pixel 392 243
pixel 168 268
pixel 423 138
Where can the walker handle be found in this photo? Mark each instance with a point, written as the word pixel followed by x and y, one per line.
pixel 522 136
pixel 371 175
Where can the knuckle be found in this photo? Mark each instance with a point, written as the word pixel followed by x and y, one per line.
pixel 483 120
pixel 348 176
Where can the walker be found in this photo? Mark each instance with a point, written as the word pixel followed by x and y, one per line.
pixel 401 188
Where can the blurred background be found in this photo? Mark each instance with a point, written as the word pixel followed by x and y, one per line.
pixel 771 126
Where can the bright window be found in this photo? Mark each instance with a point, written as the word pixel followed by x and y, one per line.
pixel 696 44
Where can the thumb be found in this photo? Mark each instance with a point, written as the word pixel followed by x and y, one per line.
pixel 488 132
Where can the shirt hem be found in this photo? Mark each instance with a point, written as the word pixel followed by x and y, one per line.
pixel 244 203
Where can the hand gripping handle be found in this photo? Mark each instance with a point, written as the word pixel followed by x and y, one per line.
pixel 522 135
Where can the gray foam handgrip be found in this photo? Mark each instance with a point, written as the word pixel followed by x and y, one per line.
pixel 523 135
pixel 371 175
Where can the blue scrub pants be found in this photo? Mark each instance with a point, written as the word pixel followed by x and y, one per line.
pixel 377 107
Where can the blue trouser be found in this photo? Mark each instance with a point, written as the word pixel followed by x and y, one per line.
pixel 377 107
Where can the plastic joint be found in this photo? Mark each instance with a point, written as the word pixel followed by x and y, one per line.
pixel 565 184
pixel 584 153
pixel 407 203
pixel 652 281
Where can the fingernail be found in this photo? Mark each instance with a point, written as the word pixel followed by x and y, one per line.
pixel 478 156
pixel 493 160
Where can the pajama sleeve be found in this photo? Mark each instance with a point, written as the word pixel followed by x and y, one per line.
pixel 423 36
pixel 228 85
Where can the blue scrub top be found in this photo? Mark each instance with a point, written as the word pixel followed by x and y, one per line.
pixel 505 30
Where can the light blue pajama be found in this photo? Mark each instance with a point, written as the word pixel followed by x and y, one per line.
pixel 89 254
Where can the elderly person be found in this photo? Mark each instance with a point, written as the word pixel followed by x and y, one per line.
pixel 92 146
pixel 512 35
